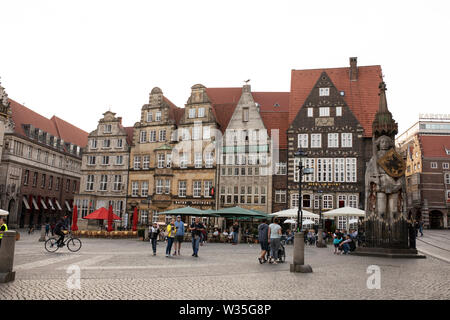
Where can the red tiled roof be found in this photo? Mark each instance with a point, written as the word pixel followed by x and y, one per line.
pixel 268 100
pixel 277 120
pixel 55 126
pixel 361 96
pixel 435 146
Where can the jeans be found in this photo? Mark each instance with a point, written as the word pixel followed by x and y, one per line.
pixel 346 248
pixel 195 244
pixel 169 245
pixel 274 247
pixel 61 237
pixel 235 237
pixel 154 245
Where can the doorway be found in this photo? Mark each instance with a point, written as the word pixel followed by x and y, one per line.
pixel 436 221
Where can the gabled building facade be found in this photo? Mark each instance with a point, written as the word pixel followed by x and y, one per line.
pixel 104 169
pixel 332 111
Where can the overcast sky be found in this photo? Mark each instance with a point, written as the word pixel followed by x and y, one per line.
pixel 77 59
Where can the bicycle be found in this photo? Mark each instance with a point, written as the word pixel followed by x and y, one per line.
pixel 73 244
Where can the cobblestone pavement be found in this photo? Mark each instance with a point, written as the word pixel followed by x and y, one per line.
pixel 126 269
pixel 435 243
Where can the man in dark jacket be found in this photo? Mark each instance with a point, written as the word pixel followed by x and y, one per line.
pixel 60 226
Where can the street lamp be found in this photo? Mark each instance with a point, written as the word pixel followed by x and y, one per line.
pixel 320 243
pixel 298 264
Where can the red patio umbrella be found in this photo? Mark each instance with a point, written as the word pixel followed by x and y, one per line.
pixel 74 218
pixel 135 219
pixel 110 218
pixel 101 214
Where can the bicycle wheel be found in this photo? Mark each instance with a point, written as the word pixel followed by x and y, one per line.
pixel 51 245
pixel 74 244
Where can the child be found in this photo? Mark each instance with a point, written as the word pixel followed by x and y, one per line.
pixel 336 241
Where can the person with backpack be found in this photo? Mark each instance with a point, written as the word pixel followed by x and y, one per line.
pixel 153 235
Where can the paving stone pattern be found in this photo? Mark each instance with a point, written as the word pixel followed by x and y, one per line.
pixel 126 269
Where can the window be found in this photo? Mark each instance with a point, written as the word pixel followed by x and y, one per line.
pixel 324 111
pixel 103 182
pixel 280 168
pixel 158 116
pixel 162 135
pixel 353 201
pixel 149 116
pixel 26 177
pixel 134 188
pixel 183 160
pixel 280 196
pixel 434 165
pixel 191 113
pixel 448 196
pixel 143 216
pixel 161 160
pixel 137 162
pixel 333 140
pixel 146 162
pixel 144 189
pixel 206 133
pixel 43 181
pixel 196 133
pixel 119 160
pixel 38 157
pixel 107 128
pixel 342 201
pixel 306 201
pixel 324 92
pixel 46 157
pixel 294 200
pixel 182 188
pixel 119 143
pixel 35 177
pixel 316 140
pixel 50 183
pixel 206 186
pixel 310 112
pixel 338 111
pixel 74 186
pixel 447 178
pixel 143 136
pixel 324 170
pixel 30 152
pixel 339 170
pixel 117 182
pixel 169 160
pixel 91 160
pixel 351 169
pixel 152 136
pixel 197 189
pixel 167 188
pixel 302 141
pixel 201 112
pixel 328 202
pixel 346 140
pixel 209 161
pixel 58 180
pixel 445 165
pixel 105 160
pixel 245 114
pixel 159 186
pixel 106 143
pixel 94 143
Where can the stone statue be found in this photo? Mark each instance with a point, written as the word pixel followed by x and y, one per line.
pixel 385 181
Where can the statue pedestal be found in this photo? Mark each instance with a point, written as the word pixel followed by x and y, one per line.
pixel 388 253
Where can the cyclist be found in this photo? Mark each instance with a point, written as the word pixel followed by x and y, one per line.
pixel 60 226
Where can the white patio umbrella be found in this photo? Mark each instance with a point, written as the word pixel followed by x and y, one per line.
pixel 345 212
pixel 292 213
pixel 353 221
pixel 3 212
pixel 307 222
pixel 291 221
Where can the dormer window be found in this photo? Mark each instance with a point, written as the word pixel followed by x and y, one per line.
pixel 245 114
pixel 158 116
pixel 324 92
pixel 276 105
pixel 149 116
pixel 201 112
pixel 191 113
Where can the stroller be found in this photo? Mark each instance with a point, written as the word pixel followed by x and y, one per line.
pixel 281 254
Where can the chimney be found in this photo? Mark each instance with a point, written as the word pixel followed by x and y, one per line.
pixel 120 119
pixel 353 69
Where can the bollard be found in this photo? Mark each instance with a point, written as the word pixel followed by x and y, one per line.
pixel 42 238
pixel 320 242
pixel 7 257
pixel 299 255
pixel 146 234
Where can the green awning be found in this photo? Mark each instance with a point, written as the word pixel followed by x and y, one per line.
pixel 238 212
pixel 188 211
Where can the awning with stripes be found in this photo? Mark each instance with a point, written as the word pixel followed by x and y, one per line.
pixel 51 204
pixel 58 205
pixel 43 204
pixel 25 202
pixel 35 204
pixel 68 206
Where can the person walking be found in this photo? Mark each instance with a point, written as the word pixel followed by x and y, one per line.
pixel 3 228
pixel 154 233
pixel 171 231
pixel 179 225
pixel 47 229
pixel 52 228
pixel 263 233
pixel 196 229
pixel 274 235
pixel 235 232
pixel 421 228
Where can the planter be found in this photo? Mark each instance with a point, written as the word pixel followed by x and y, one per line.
pixel 17 236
